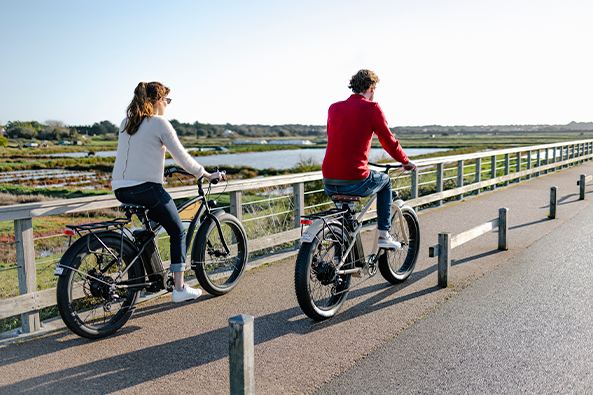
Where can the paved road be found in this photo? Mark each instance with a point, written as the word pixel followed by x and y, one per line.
pixel 183 348
pixel 526 327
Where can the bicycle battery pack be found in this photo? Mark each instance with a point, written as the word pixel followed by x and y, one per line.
pixel 151 259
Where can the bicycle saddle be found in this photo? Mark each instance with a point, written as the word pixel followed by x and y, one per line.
pixel 133 208
pixel 345 198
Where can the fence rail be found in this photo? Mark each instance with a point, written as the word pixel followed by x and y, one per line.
pixel 432 173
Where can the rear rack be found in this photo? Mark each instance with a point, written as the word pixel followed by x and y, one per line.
pixel 103 225
pixel 334 212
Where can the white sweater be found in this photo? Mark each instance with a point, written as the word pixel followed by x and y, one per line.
pixel 140 158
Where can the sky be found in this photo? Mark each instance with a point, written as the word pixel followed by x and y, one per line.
pixel 440 62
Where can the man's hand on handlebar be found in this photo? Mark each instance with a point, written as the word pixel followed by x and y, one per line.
pixel 410 166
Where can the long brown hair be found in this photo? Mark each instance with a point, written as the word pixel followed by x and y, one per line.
pixel 146 95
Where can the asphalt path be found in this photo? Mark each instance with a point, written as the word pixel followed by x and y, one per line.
pixel 526 327
pixel 183 348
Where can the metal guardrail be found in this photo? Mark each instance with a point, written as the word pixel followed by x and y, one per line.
pixel 528 162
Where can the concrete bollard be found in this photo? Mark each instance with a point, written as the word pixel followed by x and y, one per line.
pixel 444 264
pixel 503 228
pixel 582 187
pixel 241 359
pixel 553 201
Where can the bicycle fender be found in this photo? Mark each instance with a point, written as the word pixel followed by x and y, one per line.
pixel 309 234
pixel 399 203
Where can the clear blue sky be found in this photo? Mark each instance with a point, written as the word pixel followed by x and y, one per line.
pixel 447 62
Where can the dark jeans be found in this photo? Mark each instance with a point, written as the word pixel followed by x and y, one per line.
pixel 162 209
pixel 376 182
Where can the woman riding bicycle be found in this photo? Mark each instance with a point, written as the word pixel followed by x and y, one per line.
pixel 350 127
pixel 144 136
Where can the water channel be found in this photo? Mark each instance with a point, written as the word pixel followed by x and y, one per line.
pixel 280 159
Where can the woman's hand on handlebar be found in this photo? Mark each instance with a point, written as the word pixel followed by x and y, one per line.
pixel 410 166
pixel 219 175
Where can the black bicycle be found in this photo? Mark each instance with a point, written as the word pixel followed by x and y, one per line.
pixel 332 253
pixel 102 273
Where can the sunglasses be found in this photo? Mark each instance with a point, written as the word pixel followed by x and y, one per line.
pixel 167 100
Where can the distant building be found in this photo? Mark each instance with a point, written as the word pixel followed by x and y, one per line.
pixel 250 142
pixel 228 133
pixel 291 142
pixel 31 145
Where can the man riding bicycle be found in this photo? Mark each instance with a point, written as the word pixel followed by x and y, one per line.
pixel 350 127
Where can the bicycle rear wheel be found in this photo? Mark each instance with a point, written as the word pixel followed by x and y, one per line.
pixel 397 265
pixel 217 270
pixel 319 290
pixel 85 301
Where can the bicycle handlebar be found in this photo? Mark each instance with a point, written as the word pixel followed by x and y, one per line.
pixel 169 171
pixel 386 166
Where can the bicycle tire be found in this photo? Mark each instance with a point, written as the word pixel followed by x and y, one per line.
pixel 320 292
pixel 397 265
pixel 218 272
pixel 84 304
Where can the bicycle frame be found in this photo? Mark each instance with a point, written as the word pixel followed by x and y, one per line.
pixel 321 222
pixel 203 212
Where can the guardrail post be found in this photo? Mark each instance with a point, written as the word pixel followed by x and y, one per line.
pixel 237 205
pixel 414 184
pixel 553 202
pixel 478 176
pixel 459 177
pixel 241 355
pixel 507 167
pixel 439 181
pixel 444 264
pixel 518 165
pixel 25 258
pixel 493 169
pixel 528 164
pixel 582 187
pixel 299 206
pixel 538 161
pixel 503 229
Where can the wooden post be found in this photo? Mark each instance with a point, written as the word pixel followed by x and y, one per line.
pixel 582 187
pixel 299 207
pixel 528 164
pixel 444 259
pixel 237 205
pixel 241 355
pixel 507 167
pixel 503 229
pixel 553 202
pixel 493 169
pixel 25 258
pixel 459 177
pixel 439 181
pixel 414 184
pixel 538 161
pixel 478 176
pixel 518 165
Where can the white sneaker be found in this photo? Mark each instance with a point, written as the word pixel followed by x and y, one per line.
pixel 388 242
pixel 188 293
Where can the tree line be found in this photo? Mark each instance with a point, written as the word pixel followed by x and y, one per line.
pixel 57 130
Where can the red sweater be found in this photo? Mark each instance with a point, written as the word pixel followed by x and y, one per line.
pixel 350 127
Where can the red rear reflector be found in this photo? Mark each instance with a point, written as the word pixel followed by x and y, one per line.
pixel 69 232
pixel 306 222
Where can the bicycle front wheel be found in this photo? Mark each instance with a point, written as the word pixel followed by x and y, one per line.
pixel 319 289
pixel 397 265
pixel 220 254
pixel 88 299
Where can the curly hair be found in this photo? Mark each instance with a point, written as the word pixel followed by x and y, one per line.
pixel 146 95
pixel 363 80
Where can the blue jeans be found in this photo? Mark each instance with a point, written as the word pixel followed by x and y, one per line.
pixel 162 209
pixel 376 182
